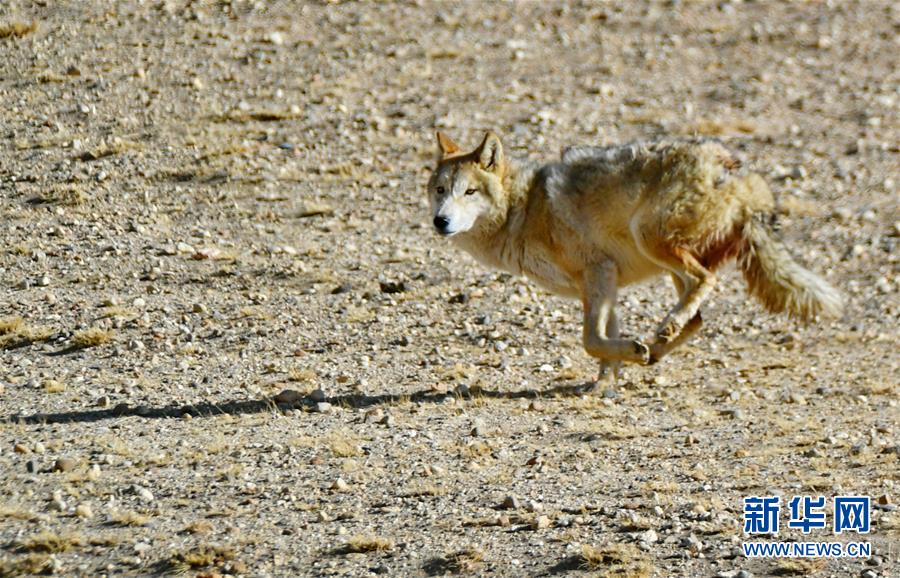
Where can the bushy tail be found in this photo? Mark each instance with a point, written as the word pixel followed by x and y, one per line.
pixel 778 281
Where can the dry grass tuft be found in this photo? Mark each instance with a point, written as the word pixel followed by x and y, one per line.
pixel 17 29
pixel 256 115
pixel 10 325
pixel 17 514
pixel 361 544
pixel 616 560
pixel 799 567
pixel 116 146
pixel 128 518
pixel 301 375
pixel 342 448
pixel 419 490
pixel 30 565
pixel 67 194
pixel 463 561
pixel 198 527
pixel 202 556
pixel 49 542
pixel 91 337
pixel 53 386
pixel 14 332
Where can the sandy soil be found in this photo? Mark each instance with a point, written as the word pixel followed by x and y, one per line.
pixel 208 203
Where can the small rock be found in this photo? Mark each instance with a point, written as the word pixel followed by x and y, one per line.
pixel 317 396
pixel 275 37
pixel 84 511
pixel 57 502
pixel 143 494
pixel 533 506
pixel 31 466
pixel 340 485
pixel 511 503
pixel 391 287
pixel 541 523
pixel 199 308
pixel 868 573
pixel 289 396
pixel 64 465
pixel 323 407
pixel 650 536
pixel 374 415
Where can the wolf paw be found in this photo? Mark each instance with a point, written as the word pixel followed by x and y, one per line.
pixel 667 333
pixel 642 352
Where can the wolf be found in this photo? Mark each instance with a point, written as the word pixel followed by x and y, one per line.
pixel 605 217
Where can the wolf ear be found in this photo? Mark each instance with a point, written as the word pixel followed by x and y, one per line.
pixel 446 146
pixel 490 152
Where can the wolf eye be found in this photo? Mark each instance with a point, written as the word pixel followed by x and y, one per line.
pixel 440 190
pixel 471 191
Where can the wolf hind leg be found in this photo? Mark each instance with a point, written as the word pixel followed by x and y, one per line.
pixel 698 283
pixel 658 350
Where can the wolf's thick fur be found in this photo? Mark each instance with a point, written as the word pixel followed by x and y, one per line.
pixel 605 217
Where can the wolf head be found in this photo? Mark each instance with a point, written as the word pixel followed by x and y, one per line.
pixel 466 189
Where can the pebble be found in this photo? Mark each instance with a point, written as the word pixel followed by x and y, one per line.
pixel 649 537
pixel 340 485
pixel 541 523
pixel 288 396
pixel 84 511
pixel 868 573
pixel 691 542
pixel 323 407
pixel 511 503
pixel 533 506
pixel 64 465
pixel 373 415
pixel 143 493
pixel 57 502
pixel 317 396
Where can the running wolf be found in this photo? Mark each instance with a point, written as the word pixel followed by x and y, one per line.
pixel 605 217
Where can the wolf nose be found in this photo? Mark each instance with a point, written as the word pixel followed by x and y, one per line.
pixel 441 224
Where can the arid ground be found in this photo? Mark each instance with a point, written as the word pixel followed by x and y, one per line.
pixel 231 344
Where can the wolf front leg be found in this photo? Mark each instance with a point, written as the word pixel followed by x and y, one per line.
pixel 600 331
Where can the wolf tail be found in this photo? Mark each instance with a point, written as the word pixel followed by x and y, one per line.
pixel 778 281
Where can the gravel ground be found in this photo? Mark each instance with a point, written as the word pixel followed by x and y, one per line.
pixel 232 345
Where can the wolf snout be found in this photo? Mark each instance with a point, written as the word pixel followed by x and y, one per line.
pixel 442 224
